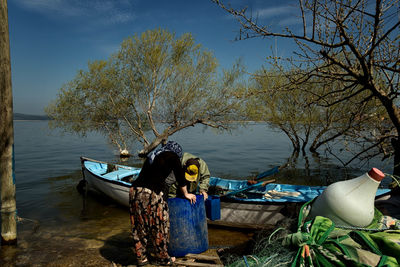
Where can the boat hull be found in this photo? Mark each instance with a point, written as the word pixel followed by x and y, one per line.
pixel 247 215
pixel 114 184
pixel 119 193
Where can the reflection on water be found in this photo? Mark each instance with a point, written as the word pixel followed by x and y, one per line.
pixel 58 227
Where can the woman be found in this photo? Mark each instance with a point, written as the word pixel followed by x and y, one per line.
pixel 148 202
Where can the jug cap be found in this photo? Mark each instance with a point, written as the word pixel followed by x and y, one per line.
pixel 376 174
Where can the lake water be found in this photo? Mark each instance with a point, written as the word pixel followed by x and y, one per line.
pixel 47 170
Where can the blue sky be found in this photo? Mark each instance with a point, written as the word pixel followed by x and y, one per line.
pixel 50 40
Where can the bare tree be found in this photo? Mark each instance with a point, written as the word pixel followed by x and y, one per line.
pixel 355 43
pixel 292 109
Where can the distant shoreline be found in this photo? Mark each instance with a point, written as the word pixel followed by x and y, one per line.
pixel 29 117
pixel 31 120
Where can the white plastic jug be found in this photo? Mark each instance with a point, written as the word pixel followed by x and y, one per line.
pixel 351 202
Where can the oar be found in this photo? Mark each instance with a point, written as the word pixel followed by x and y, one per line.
pixel 259 177
pixel 267 173
pixel 260 184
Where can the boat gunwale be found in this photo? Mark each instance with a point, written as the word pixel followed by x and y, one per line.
pixel 106 179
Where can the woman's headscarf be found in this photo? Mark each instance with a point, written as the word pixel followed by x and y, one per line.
pixel 169 146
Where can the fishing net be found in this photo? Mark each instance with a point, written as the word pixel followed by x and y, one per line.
pixel 265 249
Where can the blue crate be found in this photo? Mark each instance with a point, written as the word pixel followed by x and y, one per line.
pixel 213 208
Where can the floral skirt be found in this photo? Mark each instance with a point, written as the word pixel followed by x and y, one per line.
pixel 149 222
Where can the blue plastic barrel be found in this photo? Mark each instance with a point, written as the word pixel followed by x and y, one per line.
pixel 188 226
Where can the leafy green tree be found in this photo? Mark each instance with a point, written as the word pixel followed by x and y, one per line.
pixel 154 86
pixel 353 43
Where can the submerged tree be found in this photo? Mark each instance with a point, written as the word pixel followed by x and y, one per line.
pixel 354 43
pixel 153 87
pixel 293 109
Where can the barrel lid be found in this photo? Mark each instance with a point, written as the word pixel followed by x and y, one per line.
pixel 376 174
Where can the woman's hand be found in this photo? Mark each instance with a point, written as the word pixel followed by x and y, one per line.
pixel 205 195
pixel 191 198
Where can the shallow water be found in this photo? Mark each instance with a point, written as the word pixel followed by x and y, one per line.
pixel 59 227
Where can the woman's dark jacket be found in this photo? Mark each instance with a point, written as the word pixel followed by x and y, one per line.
pixel 153 176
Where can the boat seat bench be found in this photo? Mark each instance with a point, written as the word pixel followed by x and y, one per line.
pixel 121 173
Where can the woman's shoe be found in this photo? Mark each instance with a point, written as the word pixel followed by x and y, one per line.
pixel 163 262
pixel 142 262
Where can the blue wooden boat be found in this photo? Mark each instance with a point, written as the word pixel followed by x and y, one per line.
pixel 254 206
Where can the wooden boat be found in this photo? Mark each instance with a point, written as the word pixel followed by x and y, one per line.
pixel 111 180
pixel 256 206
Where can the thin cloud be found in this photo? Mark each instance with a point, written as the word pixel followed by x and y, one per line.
pixel 106 11
pixel 108 49
pixel 289 21
pixel 286 15
pixel 270 12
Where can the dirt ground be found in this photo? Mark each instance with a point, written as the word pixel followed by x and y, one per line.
pixel 36 248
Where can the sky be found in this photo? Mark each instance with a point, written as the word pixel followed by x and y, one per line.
pixel 51 40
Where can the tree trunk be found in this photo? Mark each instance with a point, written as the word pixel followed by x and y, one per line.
pixel 147 149
pixel 8 204
pixel 396 160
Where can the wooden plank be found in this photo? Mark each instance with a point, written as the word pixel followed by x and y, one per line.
pixel 202 257
pixel 213 252
pixel 196 264
pixel 207 258
pixel 239 225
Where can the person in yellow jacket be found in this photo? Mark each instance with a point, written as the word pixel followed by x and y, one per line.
pixel 196 173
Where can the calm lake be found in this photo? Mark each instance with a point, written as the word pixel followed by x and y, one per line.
pixel 47 170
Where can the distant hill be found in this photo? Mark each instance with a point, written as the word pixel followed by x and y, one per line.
pixel 20 116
